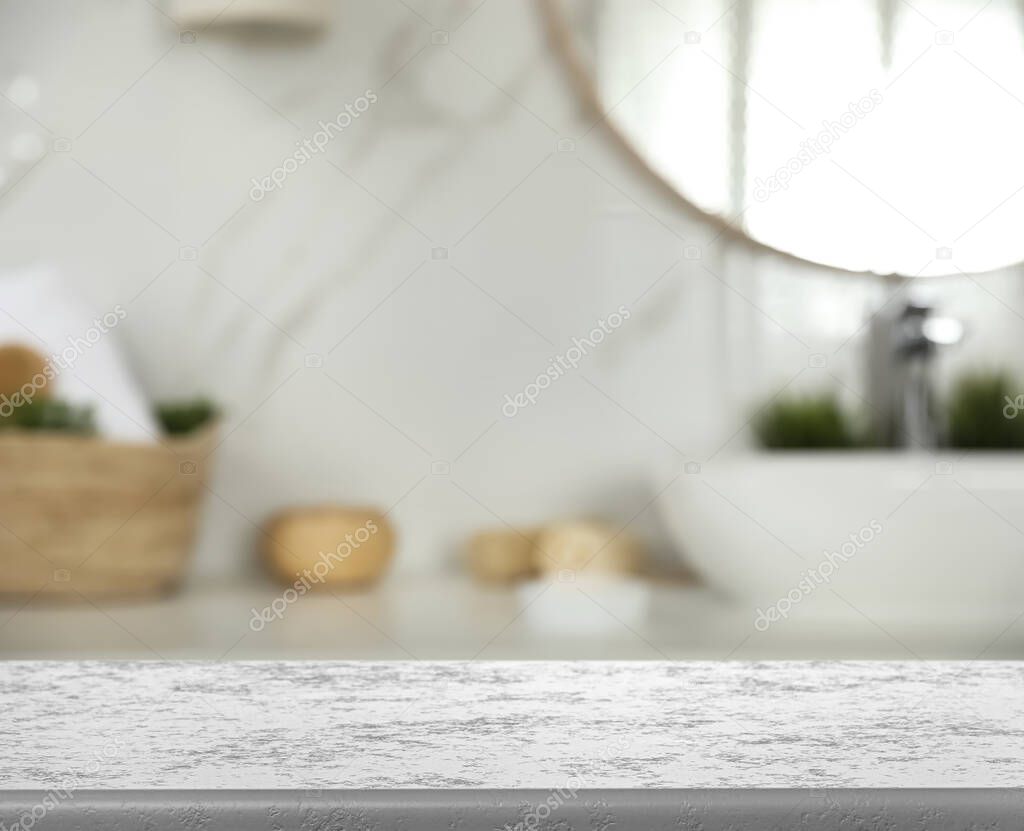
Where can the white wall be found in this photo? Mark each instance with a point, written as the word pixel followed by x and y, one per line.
pixel 459 152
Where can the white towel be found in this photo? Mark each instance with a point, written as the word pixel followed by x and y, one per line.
pixel 38 310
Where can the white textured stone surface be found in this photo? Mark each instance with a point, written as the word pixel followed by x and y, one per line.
pixel 173 726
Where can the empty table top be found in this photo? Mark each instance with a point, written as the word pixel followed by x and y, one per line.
pixel 387 736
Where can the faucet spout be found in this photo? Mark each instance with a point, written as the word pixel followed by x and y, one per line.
pixel 904 343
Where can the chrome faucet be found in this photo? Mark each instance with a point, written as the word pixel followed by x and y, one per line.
pixel 901 355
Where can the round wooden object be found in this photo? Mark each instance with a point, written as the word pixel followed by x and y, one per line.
pixel 501 556
pixel 329 546
pixel 588 546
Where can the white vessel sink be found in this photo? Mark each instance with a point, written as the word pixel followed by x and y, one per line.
pixel 939 535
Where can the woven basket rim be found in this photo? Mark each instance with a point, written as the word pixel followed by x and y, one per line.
pixel 199 437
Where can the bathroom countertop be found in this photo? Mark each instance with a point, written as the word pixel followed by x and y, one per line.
pixel 273 745
pixel 448 617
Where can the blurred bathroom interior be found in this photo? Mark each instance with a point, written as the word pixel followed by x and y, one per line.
pixel 483 329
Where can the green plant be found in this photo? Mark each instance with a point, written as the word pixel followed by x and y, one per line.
pixel 57 416
pixel 984 412
pixel 808 422
pixel 180 417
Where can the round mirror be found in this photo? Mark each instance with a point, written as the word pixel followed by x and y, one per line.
pixel 869 135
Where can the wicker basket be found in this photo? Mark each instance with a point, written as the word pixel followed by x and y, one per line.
pixel 86 517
